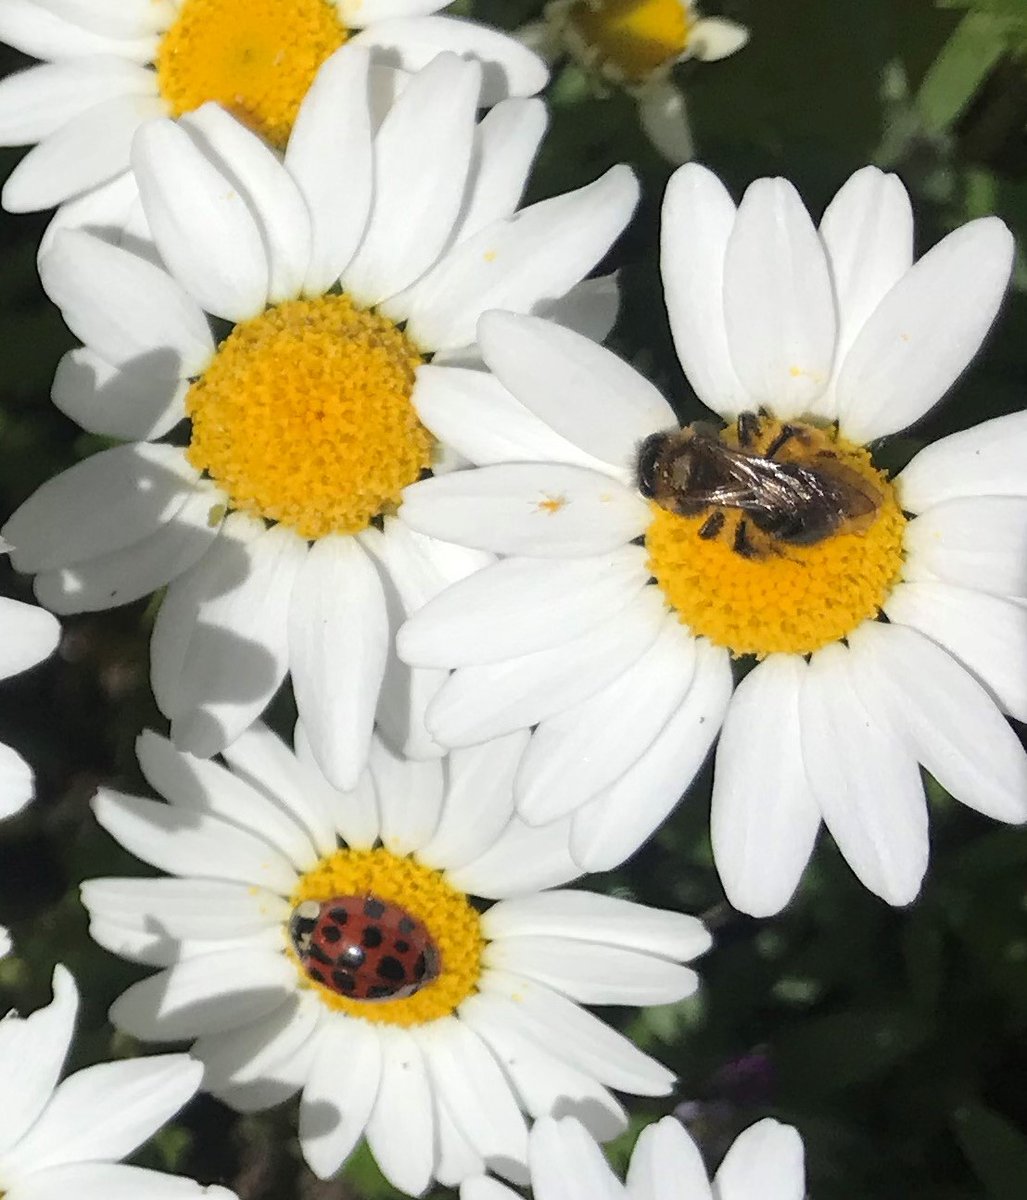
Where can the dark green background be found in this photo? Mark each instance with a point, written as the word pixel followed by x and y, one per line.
pixel 894 1039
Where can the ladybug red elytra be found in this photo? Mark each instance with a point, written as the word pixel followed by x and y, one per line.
pixel 363 947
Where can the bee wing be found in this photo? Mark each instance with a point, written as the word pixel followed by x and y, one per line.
pixel 758 484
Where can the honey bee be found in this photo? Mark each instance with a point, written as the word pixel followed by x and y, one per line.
pixel 797 500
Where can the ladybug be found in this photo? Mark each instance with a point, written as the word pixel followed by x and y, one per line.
pixel 364 947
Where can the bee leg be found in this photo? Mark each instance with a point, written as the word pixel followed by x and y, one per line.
pixel 741 544
pixel 748 426
pixel 783 438
pixel 713 524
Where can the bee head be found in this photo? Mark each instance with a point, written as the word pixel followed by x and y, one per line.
pixel 647 463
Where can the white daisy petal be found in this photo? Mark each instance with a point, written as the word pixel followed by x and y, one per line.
pixel 186 909
pixel 401 1128
pixel 105 503
pixel 219 648
pixel 955 728
pixel 663 115
pixel 471 412
pixel 116 18
pixel 127 1103
pixel 612 826
pixel 508 68
pixel 213 994
pixel 262 758
pixel 261 1064
pixel 986 634
pixel 139 569
pixel 546 510
pixel 137 315
pixel 575 1035
pixel 976 542
pixel 484 1187
pixel 6 943
pixel 506 142
pixel 865 780
pixel 521 605
pixel 714 38
pixel 36 31
pixel 32 1053
pixel 131 403
pixel 569 381
pixel 154 948
pixel 355 812
pixel 274 197
pixel 764 819
pixel 576 754
pixel 329 155
pixel 30 635
pixel 37 102
pixel 592 973
pixel 566 1164
pixel 198 785
pixel 665 1151
pixel 107 211
pixel 468 1081
pixel 17 783
pixel 592 917
pixel 544 1083
pixel 456 1158
pixel 339 1093
pixel 986 460
pixel 778 305
pixel 111 1181
pixel 422 156
pixel 589 308
pixel 478 802
pixel 355 14
pixel 86 151
pixel 409 798
pixel 202 226
pixel 524 858
pixel 698 216
pixel 190 843
pixel 765 1160
pixel 925 331
pixel 338 644
pixel 867 230
pixel 481 702
pixel 534 256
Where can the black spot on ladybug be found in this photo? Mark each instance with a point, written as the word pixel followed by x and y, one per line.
pixel 363 947
pixel 391 968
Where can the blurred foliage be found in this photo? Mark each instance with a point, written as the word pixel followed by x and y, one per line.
pixel 894 1039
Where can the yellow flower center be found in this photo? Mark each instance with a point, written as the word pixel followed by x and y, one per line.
pixel 454 925
pixel 629 39
pixel 756 593
pixel 304 416
pixel 257 58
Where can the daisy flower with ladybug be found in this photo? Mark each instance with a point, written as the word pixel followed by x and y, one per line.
pixel 251 351
pixel 405 956
pixel 765 1162
pixel 757 575
pixel 108 66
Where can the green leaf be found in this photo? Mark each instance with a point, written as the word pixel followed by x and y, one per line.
pixel 966 59
pixel 996 1149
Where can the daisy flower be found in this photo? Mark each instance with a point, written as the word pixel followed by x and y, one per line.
pixel 341 945
pixel 68 1138
pixel 765 1160
pixel 29 635
pixel 110 65
pixel 883 619
pixel 635 44
pixel 271 515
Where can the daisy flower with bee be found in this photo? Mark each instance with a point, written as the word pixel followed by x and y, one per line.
pixel 759 577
